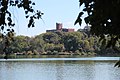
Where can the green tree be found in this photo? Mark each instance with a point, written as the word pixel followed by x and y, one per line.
pixel 71 41
pixel 20 44
pixel 51 37
pixel 49 47
pixel 86 43
pixel 38 43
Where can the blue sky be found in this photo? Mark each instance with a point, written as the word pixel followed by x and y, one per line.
pixel 61 11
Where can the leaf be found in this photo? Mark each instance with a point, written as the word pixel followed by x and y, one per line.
pixel 117 64
pixel 33 3
pixel 34 17
pixel 29 25
pixel 42 13
pixel 13 24
pixel 12 30
pixel 76 21
pixel 19 5
pixel 26 12
pixel 16 2
pixel 80 14
pixel 8 13
pixel 27 16
pixel 33 25
pixel 2 27
pixel 86 20
pixel 9 23
pixel 30 22
pixel 85 9
pixel 8 29
pixel 30 2
pixel 31 10
pixel 9 19
pixel 81 2
pixel 11 2
pixel 79 20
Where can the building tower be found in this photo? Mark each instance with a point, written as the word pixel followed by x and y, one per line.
pixel 59 26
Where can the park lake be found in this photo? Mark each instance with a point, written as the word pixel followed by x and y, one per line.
pixel 85 68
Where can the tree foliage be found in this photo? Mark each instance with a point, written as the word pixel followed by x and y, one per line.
pixel 6 20
pixel 103 16
pixel 54 43
pixel 71 41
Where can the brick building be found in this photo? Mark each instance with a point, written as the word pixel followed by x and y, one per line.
pixel 59 28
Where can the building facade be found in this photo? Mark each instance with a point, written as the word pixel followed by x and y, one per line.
pixel 59 28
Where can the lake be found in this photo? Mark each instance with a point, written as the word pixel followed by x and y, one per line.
pixel 93 68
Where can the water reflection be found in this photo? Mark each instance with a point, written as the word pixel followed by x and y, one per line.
pixel 5 68
pixel 59 70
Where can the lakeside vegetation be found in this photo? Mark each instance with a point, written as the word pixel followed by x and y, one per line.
pixel 60 43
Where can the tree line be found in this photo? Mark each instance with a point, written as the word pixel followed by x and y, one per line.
pixel 53 43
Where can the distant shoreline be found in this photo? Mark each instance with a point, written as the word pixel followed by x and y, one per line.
pixel 13 56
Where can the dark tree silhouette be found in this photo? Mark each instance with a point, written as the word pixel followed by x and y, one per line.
pixel 103 16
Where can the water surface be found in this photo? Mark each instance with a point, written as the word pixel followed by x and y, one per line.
pixel 65 59
pixel 64 69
